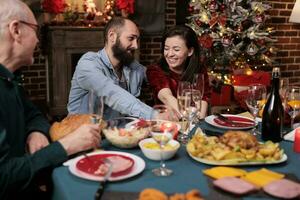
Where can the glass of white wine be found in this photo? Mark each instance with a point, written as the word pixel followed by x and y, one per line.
pixel 255 100
pixel 184 100
pixel 293 102
pixel 162 138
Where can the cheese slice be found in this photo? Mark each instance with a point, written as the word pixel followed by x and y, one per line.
pixel 220 172
pixel 262 177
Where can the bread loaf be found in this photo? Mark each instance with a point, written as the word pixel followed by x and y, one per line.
pixel 69 124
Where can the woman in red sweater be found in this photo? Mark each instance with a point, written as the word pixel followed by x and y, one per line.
pixel 179 62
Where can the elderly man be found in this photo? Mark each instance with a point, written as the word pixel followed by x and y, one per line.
pixel 112 73
pixel 24 147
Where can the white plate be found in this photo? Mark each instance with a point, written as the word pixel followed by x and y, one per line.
pixel 138 167
pixel 130 124
pixel 210 120
pixel 230 163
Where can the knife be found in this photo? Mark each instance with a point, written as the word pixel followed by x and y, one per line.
pixel 232 122
pixel 101 188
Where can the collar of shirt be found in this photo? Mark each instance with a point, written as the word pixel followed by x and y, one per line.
pixel 5 74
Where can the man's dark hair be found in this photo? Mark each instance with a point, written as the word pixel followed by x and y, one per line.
pixel 115 22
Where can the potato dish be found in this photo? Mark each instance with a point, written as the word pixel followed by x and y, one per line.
pixel 233 147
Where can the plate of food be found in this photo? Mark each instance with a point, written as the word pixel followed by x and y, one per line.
pixel 234 148
pixel 120 135
pixel 228 121
pixel 93 166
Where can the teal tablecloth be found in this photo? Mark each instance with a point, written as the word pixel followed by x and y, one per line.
pixel 187 175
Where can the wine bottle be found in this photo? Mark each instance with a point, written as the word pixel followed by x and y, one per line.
pixel 272 120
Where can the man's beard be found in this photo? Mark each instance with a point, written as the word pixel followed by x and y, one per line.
pixel 122 54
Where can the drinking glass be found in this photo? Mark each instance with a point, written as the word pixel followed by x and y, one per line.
pixel 198 83
pixel 162 138
pixel 293 102
pixel 95 106
pixel 184 99
pixel 255 100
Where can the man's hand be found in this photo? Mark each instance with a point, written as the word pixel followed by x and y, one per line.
pixel 85 137
pixel 36 141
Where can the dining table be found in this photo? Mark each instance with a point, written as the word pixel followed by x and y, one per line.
pixel 187 175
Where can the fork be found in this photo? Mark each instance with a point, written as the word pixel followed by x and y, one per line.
pixel 101 188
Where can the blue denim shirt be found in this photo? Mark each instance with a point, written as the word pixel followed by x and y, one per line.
pixel 95 72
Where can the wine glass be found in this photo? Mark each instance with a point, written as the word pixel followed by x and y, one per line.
pixel 162 138
pixel 293 101
pixel 255 100
pixel 198 83
pixel 184 99
pixel 95 106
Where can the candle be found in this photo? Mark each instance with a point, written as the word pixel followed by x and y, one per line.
pixel 171 127
pixel 297 141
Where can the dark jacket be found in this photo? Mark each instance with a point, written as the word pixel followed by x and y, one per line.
pixel 18 118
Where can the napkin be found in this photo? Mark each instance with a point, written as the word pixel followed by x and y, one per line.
pixel 290 136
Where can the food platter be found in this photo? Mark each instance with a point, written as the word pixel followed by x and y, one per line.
pixel 138 166
pixel 240 122
pixel 236 162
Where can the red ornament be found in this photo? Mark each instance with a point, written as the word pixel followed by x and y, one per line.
pixel 226 41
pixel 213 6
pixel 53 6
pixel 205 41
pixel 126 5
pixel 222 7
pixel 260 42
pixel 259 18
pixel 191 9
pixel 198 22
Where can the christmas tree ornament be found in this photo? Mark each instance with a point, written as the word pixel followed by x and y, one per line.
pixel 213 6
pixel 226 41
pixel 252 49
pixel 258 18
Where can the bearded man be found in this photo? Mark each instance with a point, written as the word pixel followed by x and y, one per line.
pixel 112 73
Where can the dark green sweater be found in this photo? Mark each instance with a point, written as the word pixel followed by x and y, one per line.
pixel 18 118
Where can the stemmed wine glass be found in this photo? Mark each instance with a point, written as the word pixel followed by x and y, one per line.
pixel 255 100
pixel 184 101
pixel 162 138
pixel 198 84
pixel 293 102
pixel 95 106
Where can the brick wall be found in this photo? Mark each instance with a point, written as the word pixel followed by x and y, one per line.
pixel 287 34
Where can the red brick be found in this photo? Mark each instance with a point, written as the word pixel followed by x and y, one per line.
pixel 283 40
pixel 295 40
pixel 294 53
pixel 284 27
pixel 279 6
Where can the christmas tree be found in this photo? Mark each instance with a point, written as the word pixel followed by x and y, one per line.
pixel 232 33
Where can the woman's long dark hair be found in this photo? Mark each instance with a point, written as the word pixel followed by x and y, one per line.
pixel 192 63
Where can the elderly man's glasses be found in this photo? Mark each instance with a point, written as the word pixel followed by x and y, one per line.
pixel 35 27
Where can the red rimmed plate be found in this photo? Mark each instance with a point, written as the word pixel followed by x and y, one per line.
pixel 238 122
pixel 95 165
pixel 138 166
